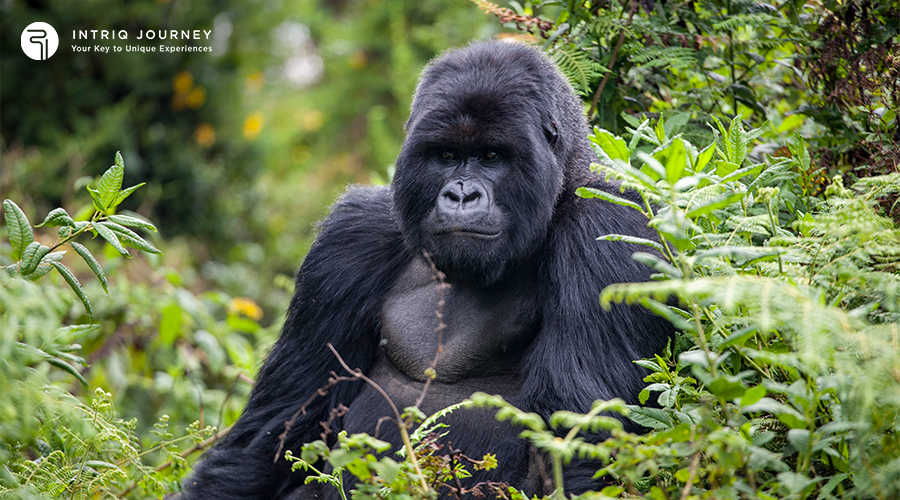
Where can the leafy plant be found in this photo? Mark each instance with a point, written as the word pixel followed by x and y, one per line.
pixel 35 259
pixel 789 308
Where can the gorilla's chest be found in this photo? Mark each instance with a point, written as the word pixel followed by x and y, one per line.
pixel 485 329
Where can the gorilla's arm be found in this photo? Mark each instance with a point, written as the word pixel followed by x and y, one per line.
pixel 584 353
pixel 340 287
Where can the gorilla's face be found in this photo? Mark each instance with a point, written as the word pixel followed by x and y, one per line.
pixel 477 179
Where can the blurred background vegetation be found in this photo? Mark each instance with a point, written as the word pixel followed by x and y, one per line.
pixel 243 150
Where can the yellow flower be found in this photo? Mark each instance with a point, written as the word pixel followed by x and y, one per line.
pixel 183 82
pixel 253 125
pixel 245 306
pixel 196 97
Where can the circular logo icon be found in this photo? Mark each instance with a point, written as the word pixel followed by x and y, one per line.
pixel 39 41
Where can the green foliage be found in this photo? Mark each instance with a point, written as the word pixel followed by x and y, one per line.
pixel 823 68
pixel 36 259
pixel 431 470
pixel 52 443
pixel 783 380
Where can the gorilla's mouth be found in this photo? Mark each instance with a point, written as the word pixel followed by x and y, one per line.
pixel 469 233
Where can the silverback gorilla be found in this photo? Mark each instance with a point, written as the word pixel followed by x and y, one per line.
pixel 485 184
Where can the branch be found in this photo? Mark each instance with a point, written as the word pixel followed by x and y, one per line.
pixel 612 62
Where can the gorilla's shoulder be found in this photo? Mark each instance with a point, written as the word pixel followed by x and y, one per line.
pixel 370 203
pixel 358 239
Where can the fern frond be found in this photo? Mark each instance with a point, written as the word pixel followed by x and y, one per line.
pixel 679 58
pixel 575 64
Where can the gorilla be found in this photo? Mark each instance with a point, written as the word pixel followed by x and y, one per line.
pixel 485 191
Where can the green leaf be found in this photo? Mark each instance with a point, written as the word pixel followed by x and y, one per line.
pixel 611 144
pixel 125 193
pixel 110 236
pixel 111 182
pixel 57 217
pixel 714 204
pixel 76 286
pixel 675 160
pixel 170 324
pixel 652 166
pixel 32 256
pixel 129 221
pixel 69 368
pixel 637 133
pixel 130 238
pixel 44 266
pixel 704 156
pixel 632 239
pixel 97 200
pixel 753 395
pixel 588 192
pixel 92 263
pixel 798 150
pixel 20 233
pixel 650 417
pixel 727 388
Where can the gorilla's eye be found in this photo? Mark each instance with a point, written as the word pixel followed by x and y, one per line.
pixel 447 155
pixel 490 155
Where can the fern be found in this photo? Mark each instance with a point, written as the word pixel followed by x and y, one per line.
pixel 575 64
pixel 678 58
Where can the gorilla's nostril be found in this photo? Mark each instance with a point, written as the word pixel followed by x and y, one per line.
pixel 472 196
pixel 450 195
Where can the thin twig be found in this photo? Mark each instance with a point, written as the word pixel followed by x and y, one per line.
pixel 322 391
pixel 612 62
pixel 439 329
pixel 410 452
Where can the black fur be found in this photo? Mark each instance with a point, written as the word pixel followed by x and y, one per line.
pixel 509 99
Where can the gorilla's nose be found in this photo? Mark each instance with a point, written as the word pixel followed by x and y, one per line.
pixel 463 198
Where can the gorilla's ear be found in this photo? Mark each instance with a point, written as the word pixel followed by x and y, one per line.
pixel 551 131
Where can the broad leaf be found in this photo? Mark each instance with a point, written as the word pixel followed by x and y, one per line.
pixel 111 182
pixel 76 286
pixel 129 221
pixel 57 217
pixel 92 263
pixel 110 236
pixel 31 257
pixel 20 233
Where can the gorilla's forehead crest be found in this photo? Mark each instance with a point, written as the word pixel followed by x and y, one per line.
pixel 485 82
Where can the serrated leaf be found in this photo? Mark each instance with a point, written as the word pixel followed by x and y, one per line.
pixel 650 417
pixel 92 263
pixel 589 192
pixel 57 217
pixel 111 182
pixel 125 193
pixel 132 239
pixel 20 233
pixel 129 221
pixel 110 236
pixel 31 257
pixel 76 286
